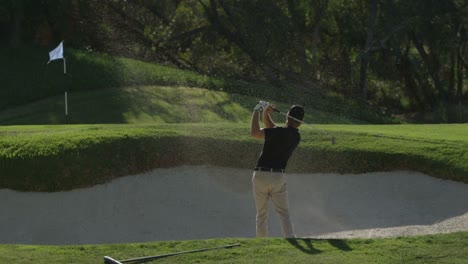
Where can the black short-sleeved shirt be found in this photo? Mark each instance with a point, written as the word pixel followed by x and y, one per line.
pixel 280 142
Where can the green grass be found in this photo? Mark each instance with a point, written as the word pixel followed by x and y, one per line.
pixel 446 248
pixel 437 150
pixel 155 117
pixel 26 78
pixel 148 104
pixel 53 158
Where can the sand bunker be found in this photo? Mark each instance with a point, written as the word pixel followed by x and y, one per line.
pixel 211 202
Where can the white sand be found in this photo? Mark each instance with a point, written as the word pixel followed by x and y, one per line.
pixel 210 202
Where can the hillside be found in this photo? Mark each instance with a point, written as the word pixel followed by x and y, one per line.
pixel 105 89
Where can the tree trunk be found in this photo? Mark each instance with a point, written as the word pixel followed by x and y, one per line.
pixel 460 75
pixel 319 13
pixel 451 81
pixel 431 67
pixel 298 38
pixel 373 7
pixel 16 28
pixel 410 84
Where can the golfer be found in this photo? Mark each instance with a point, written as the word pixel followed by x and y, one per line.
pixel 269 179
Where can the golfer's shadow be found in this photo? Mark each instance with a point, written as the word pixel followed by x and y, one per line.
pixel 309 248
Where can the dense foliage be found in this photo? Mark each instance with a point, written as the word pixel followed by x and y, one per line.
pixel 401 56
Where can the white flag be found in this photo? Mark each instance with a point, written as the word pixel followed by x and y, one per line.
pixel 57 53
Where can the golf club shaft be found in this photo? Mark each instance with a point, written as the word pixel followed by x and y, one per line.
pixel 173 254
pixel 302 122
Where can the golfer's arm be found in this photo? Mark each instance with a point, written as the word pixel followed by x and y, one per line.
pixel 267 120
pixel 255 130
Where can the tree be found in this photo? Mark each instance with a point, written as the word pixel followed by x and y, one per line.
pixel 373 8
pixel 407 54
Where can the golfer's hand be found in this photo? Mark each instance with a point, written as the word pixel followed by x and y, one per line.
pixel 268 109
pixel 261 106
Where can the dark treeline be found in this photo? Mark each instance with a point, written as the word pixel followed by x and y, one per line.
pixel 400 56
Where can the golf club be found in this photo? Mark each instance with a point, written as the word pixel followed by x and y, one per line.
pixel 333 140
pixel 109 260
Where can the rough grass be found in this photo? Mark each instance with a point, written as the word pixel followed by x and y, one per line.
pixel 444 248
pixel 26 78
pixel 148 104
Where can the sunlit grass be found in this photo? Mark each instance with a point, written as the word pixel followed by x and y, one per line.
pixel 37 156
pixel 445 248
pixel 148 104
pixel 440 132
pixel 29 80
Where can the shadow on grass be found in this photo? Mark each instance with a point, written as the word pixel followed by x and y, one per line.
pixel 339 244
pixel 306 245
pixel 308 248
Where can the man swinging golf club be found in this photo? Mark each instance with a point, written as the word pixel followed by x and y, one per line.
pixel 269 180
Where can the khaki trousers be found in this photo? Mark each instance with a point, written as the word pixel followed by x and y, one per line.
pixel 272 185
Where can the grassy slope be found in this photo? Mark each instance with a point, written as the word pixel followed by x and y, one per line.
pixel 148 104
pixel 26 78
pixel 448 248
pixel 52 158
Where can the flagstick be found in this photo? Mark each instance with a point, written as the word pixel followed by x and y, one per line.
pixel 66 95
pixel 66 107
pixel 55 54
